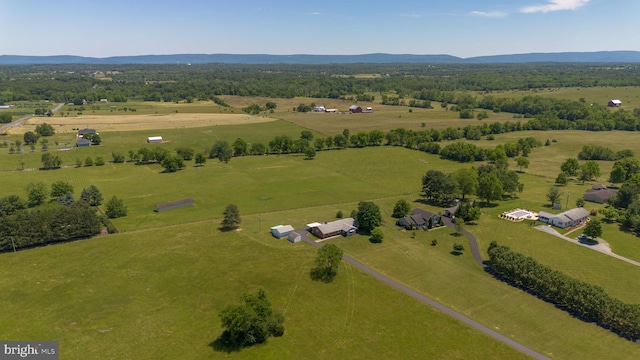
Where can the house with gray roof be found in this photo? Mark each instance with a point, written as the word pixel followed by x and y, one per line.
pixel 344 227
pixel 566 219
pixel 419 219
pixel 599 194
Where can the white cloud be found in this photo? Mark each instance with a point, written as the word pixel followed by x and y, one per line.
pixel 492 14
pixel 554 5
pixel 315 13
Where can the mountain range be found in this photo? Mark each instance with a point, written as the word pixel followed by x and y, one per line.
pixel 378 58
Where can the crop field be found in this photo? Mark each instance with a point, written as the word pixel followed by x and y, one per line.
pixel 155 289
pixel 121 122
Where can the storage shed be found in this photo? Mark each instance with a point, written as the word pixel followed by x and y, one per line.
pixel 174 204
pixel 154 139
pixel 83 142
pixel 294 237
pixel 280 231
pixel 615 103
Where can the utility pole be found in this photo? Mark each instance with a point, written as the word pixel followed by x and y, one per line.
pixel 566 204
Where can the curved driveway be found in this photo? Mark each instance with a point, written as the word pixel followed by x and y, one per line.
pixel 432 302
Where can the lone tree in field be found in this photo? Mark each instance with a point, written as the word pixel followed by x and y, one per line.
pixel 326 263
pixel 401 209
pixel 251 323
pixel 593 229
pixel 368 216
pixel 231 217
pixel 554 195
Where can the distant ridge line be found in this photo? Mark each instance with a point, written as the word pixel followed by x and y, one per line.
pixel 303 59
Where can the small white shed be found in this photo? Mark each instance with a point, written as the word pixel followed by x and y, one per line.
pixel 154 139
pixel 281 231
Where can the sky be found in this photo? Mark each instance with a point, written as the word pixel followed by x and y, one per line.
pixel 463 28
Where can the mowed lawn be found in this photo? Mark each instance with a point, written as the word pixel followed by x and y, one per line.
pixel 156 294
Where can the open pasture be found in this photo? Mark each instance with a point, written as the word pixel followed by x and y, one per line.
pixel 143 296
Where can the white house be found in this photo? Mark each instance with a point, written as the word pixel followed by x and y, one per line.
pixel 319 109
pixel 566 219
pixel 154 139
pixel 281 231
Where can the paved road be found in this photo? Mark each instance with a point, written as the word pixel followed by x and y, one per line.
pixel 4 128
pixel 431 302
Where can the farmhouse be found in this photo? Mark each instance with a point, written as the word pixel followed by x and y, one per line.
pixel 294 237
pixel 154 139
pixel 344 227
pixel 174 204
pixel 419 219
pixel 615 103
pixel 599 194
pixel 280 231
pixel 319 109
pixel 355 109
pixel 104 100
pixel 83 142
pixel 86 131
pixel 566 219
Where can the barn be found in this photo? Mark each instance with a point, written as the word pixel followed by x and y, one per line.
pixel 154 139
pixel 615 103
pixel 355 109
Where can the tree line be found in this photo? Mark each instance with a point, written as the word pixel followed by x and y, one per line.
pixel 581 299
pixel 26 223
pixel 66 83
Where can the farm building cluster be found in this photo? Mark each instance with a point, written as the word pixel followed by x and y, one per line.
pixel 353 109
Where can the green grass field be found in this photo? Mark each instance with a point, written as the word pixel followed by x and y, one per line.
pixel 142 295
pixel 162 281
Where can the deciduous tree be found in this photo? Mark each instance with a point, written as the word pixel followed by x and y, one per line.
pixel 115 208
pixel 401 209
pixel 368 216
pixel 326 263
pixel 593 229
pixel 60 188
pixel 554 195
pixel 489 187
pixel 251 323
pixel 36 193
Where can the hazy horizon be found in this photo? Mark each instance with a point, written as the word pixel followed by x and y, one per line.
pixel 285 27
